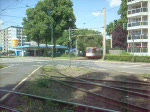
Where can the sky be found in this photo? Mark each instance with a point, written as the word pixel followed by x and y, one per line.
pixel 89 13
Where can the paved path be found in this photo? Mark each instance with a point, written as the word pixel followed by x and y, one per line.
pixel 13 74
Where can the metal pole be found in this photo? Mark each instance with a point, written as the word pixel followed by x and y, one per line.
pixel 104 36
pixel 69 47
pixel 111 41
pixel 52 41
pixel 76 47
pixel 133 48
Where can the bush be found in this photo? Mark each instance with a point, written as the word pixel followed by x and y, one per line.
pixel 67 55
pixel 128 58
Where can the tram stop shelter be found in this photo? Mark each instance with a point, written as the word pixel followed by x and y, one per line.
pixel 32 50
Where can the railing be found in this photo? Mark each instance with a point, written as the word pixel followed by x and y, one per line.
pixel 138 50
pixel 144 36
pixel 141 36
pixel 132 24
pixel 133 0
pixel 133 11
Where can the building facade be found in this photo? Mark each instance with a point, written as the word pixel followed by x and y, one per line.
pixel 138 27
pixel 8 34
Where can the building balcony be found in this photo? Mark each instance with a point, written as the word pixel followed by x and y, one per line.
pixel 134 1
pixel 137 38
pixel 141 36
pixel 138 25
pixel 137 49
pixel 138 11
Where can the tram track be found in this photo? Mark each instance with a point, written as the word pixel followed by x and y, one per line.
pixel 123 89
pixel 100 97
pixel 117 102
pixel 4 107
pixel 139 91
pixel 82 107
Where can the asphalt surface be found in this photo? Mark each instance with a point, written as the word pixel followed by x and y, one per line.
pixel 21 67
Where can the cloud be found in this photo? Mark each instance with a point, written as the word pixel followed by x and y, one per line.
pixel 98 13
pixel 114 3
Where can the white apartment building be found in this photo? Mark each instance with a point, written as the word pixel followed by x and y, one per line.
pixel 6 36
pixel 138 27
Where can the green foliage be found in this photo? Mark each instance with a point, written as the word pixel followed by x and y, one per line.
pixel 1 66
pixel 64 38
pixel 146 75
pixel 86 39
pixel 128 58
pixel 43 83
pixel 110 28
pixel 108 45
pixel 67 55
pixel 48 16
pixel 123 18
pixel 123 12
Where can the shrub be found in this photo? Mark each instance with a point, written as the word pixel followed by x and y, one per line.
pixel 128 58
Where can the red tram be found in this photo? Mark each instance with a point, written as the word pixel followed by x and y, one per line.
pixel 93 53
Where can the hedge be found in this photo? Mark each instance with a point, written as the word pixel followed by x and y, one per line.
pixel 128 58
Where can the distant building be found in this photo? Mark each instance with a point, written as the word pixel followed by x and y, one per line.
pixel 138 27
pixel 9 34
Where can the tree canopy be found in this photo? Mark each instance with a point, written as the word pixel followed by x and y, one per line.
pixel 49 16
pixel 119 38
pixel 85 38
pixel 123 12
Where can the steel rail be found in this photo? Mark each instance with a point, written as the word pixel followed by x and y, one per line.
pixel 122 87
pixel 114 88
pixel 126 82
pixel 136 80
pixel 129 106
pixel 109 87
pixel 133 89
pixel 59 101
pixel 9 108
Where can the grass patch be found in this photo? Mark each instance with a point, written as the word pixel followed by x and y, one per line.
pixel 7 57
pixel 44 86
pixel 1 66
pixel 33 105
pixel 146 75
pixel 48 69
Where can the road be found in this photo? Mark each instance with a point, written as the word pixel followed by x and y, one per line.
pixel 135 68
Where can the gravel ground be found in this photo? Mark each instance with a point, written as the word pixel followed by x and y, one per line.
pixel 39 84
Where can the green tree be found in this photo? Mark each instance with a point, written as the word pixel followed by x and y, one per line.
pixel 85 38
pixel 49 16
pixel 119 35
pixel 63 40
pixel 110 28
pixel 123 18
pixel 31 28
pixel 123 12
pixel 88 38
pixel 108 46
